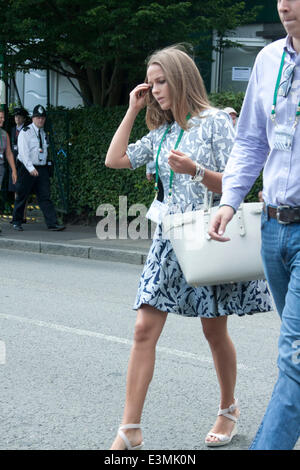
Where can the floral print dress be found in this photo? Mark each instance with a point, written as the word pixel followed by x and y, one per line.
pixel 208 141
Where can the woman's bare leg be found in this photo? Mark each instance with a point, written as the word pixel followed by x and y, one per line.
pixel 148 327
pixel 224 356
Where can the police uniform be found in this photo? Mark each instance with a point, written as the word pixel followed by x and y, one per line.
pixel 32 155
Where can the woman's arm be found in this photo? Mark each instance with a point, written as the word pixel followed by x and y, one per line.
pixel 213 181
pixel 116 155
pixel 10 159
pixel 181 163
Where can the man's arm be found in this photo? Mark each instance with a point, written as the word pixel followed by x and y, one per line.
pixel 251 145
pixel 24 152
pixel 247 158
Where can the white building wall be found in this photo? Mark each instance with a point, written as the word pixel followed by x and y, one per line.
pixel 226 67
pixel 35 89
pixel 66 94
pixel 32 88
pixel 2 92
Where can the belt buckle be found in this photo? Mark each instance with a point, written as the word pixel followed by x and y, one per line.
pixel 279 213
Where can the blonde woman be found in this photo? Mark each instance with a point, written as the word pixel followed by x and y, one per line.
pixel 190 141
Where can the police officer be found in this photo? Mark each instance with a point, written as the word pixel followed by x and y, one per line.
pixel 20 116
pixel 33 173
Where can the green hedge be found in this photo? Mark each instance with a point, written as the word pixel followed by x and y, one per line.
pixel 227 98
pixel 90 182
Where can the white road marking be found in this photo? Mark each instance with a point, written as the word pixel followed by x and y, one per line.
pixel 114 339
pixel 2 352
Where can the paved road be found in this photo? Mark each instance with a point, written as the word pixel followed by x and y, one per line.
pixel 67 323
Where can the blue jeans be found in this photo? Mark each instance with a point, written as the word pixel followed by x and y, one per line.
pixel 280 428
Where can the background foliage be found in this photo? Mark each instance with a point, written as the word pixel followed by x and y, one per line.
pixel 90 182
pixel 87 182
pixel 102 43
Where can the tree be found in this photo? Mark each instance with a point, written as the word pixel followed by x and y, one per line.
pixel 103 43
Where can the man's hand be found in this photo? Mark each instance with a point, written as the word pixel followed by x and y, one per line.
pixel 219 223
pixel 34 173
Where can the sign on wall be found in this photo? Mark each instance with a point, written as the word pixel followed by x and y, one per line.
pixel 241 74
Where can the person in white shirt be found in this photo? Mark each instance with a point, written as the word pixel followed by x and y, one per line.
pixel 268 136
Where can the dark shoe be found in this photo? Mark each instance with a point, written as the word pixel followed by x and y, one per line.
pixel 18 227
pixel 24 221
pixel 56 228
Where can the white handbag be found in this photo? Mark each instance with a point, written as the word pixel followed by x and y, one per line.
pixel 207 262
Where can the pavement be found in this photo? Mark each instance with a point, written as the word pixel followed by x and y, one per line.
pixel 76 240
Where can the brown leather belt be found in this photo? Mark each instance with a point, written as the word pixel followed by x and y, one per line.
pixel 284 214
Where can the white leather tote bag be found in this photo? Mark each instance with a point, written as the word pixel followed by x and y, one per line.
pixel 207 262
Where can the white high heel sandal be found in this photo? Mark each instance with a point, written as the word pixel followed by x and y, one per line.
pixel 125 438
pixel 224 439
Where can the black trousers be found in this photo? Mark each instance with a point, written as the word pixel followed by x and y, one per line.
pixel 40 185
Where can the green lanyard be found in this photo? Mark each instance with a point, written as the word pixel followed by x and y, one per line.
pixel 273 112
pixel 157 155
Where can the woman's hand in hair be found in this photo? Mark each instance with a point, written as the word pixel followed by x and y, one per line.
pixel 181 163
pixel 137 98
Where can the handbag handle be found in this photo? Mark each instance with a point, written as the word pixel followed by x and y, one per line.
pixel 207 201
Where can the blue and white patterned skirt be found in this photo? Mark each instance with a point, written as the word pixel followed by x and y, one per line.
pixel 163 286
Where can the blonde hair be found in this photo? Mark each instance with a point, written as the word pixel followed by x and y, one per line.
pixel 186 87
